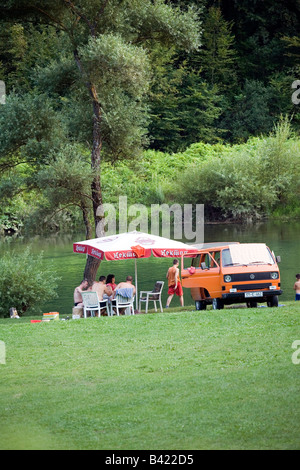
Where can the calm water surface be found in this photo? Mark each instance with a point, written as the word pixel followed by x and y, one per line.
pixel 282 238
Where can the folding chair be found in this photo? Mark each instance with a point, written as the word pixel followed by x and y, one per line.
pixel 120 302
pixel 92 304
pixel 152 296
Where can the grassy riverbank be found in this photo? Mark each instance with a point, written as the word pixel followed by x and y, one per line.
pixel 178 380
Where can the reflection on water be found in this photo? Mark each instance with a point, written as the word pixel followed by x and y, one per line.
pixel 282 238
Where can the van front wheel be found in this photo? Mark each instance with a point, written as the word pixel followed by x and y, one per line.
pixel 273 302
pixel 252 304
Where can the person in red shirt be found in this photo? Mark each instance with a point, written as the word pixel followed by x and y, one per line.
pixel 111 281
pixel 174 283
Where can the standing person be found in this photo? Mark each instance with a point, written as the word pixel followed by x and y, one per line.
pixel 297 287
pixel 77 293
pixel 174 283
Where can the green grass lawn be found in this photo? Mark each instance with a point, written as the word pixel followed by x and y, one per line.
pixel 178 380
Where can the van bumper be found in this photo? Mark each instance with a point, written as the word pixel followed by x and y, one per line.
pixel 240 296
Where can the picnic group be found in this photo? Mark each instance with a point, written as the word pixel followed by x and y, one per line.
pixel 107 288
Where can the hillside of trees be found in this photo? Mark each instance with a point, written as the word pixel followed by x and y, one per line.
pixel 162 101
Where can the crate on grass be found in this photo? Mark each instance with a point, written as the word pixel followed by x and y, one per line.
pixel 51 316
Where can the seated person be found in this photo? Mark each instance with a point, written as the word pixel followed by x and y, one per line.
pixel 111 281
pixel 103 291
pixel 77 293
pixel 124 288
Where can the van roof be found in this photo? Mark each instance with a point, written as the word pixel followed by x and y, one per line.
pixel 205 246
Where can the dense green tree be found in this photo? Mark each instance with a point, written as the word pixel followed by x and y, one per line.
pixel 66 180
pixel 190 92
pixel 217 55
pixel 258 28
pixel 265 55
pixel 106 39
pixel 293 45
pixel 184 107
pixel 28 127
pixel 250 114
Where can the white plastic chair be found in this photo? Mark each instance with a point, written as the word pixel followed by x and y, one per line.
pixel 153 296
pixel 92 304
pixel 120 302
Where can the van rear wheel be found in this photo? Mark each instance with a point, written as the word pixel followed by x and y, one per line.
pixel 217 304
pixel 200 305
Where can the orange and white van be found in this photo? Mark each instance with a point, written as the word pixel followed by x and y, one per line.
pixel 228 273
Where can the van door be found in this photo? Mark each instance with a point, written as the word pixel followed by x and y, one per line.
pixel 205 280
pixel 211 273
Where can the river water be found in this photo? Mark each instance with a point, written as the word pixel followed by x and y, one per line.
pixel 282 238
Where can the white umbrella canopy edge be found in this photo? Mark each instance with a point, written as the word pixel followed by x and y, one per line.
pixel 121 246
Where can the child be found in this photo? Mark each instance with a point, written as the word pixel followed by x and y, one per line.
pixel 297 287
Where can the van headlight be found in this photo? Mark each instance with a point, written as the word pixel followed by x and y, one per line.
pixel 274 276
pixel 227 278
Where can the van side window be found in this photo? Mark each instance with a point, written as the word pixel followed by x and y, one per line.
pixel 206 260
pixel 210 259
pixel 196 261
pixel 226 257
pixel 217 256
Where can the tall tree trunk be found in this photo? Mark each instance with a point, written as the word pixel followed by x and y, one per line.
pixel 95 162
pixel 93 264
pixel 86 221
pixel 91 268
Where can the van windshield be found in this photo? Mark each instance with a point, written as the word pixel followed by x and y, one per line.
pixel 246 254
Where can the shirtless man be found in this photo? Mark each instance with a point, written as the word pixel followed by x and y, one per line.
pixel 77 293
pixel 101 288
pixel 297 287
pixel 127 285
pixel 174 284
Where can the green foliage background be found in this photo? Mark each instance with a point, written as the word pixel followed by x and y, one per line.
pixel 23 282
pixel 181 123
